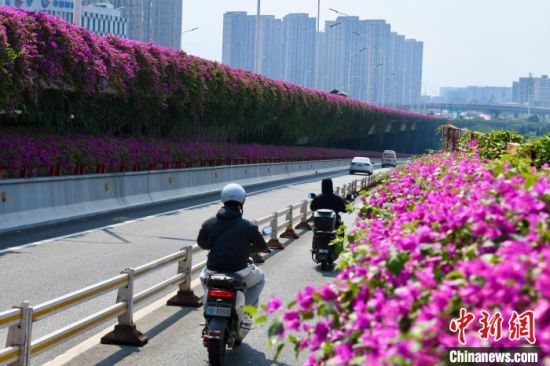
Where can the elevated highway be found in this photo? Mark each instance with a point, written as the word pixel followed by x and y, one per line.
pixel 39 270
pixel 493 109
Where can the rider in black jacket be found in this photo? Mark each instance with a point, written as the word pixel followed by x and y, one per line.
pixel 327 199
pixel 230 240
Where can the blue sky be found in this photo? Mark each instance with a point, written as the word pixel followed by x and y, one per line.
pixel 466 42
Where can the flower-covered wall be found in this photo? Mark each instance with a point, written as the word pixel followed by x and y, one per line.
pixel 66 79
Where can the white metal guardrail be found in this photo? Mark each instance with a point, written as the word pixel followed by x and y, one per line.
pixel 20 347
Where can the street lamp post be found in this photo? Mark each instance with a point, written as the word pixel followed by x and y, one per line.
pixel 320 82
pixel 257 43
pixel 349 66
pixel 190 30
pixel 317 45
pixel 77 12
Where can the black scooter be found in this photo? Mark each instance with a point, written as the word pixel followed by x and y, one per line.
pixel 324 232
pixel 226 323
pixel 325 224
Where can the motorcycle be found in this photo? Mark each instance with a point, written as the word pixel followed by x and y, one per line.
pixel 226 322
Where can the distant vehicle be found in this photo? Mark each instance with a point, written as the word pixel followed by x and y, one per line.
pixel 338 92
pixel 361 165
pixel 389 158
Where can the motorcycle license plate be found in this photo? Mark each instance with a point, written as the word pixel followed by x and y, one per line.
pixel 218 311
pixel 323 250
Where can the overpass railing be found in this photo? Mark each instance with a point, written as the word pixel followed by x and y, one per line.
pixel 20 347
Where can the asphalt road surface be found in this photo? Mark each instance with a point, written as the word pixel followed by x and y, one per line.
pixel 43 272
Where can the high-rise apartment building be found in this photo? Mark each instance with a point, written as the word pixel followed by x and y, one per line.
pixel 532 91
pixel 99 17
pixel 271 47
pixel 342 55
pixel 377 38
pixel 239 42
pixel 155 21
pixel 411 89
pixel 299 39
pixel 362 58
pixel 394 72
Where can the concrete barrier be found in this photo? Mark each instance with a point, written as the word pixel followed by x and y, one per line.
pixel 26 203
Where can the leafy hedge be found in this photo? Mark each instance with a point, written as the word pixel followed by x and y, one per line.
pixel 493 145
pixel 447 232
pixel 67 79
pixel 539 150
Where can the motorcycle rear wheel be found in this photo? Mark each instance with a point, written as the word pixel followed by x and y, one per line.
pixel 216 351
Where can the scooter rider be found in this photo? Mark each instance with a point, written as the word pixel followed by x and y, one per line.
pixel 230 240
pixel 327 199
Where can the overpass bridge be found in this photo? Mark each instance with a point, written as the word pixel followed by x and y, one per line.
pixel 493 109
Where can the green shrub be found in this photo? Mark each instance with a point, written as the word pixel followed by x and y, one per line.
pixel 539 150
pixel 493 145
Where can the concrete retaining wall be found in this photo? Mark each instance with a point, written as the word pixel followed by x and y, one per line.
pixel 26 203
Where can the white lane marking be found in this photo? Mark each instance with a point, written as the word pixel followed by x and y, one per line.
pixel 96 338
pixel 79 233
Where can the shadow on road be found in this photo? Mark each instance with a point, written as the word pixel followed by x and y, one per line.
pixel 246 355
pixel 330 273
pixel 125 351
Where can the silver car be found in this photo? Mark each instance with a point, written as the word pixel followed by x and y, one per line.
pixel 389 158
pixel 361 165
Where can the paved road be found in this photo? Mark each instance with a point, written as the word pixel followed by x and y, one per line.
pixel 44 272
pixel 175 334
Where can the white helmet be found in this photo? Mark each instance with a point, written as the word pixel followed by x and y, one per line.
pixel 233 192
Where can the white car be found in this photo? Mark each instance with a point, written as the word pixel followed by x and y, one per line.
pixel 361 165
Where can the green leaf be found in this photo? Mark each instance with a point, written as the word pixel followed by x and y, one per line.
pixel 291 304
pixel 261 319
pixel 454 275
pixel 278 351
pixel 396 262
pixel 275 328
pixel 251 310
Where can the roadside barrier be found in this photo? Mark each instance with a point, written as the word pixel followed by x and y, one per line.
pixel 20 347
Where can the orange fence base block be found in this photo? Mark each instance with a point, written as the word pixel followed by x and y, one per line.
pixel 126 335
pixel 275 244
pixel 303 226
pixel 289 234
pixel 185 298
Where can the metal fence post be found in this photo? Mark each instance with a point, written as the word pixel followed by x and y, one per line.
pixel 20 335
pixel 274 242
pixel 289 232
pixel 185 295
pixel 125 332
pixel 303 225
